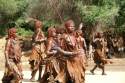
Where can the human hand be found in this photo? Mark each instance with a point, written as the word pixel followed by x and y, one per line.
pixel 54 51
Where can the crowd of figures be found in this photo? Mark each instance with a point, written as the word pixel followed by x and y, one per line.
pixel 115 45
pixel 61 57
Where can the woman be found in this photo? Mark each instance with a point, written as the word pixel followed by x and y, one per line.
pixel 50 61
pixel 13 69
pixel 75 67
pixel 38 50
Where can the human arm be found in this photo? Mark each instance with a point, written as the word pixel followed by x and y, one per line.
pixel 40 37
pixel 65 52
pixel 84 43
pixel 49 50
pixel 6 52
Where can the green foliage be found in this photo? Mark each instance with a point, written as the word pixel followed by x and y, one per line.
pixel 104 12
pixel 49 23
pixel 88 13
pixel 23 32
pixel 107 16
pixel 110 13
pixel 2 30
pixel 10 8
pixel 120 19
pixel 21 22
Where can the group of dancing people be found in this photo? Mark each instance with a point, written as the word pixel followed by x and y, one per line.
pixel 60 57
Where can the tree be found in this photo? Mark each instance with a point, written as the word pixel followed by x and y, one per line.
pixel 120 19
pixel 93 13
pixel 10 10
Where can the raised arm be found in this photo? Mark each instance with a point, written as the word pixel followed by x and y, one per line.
pixel 40 37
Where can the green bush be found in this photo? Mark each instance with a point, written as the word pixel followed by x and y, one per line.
pixel 105 13
pixel 24 33
pixel 2 30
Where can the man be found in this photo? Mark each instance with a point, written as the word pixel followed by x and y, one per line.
pixel 13 69
pixel 38 48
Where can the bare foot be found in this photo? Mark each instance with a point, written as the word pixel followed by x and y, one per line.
pixel 104 74
pixel 92 72
pixel 32 79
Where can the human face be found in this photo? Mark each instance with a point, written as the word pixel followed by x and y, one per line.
pixel 71 28
pixel 12 32
pixel 38 24
pixel 54 33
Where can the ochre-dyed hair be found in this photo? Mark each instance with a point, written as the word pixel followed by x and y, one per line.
pixel 12 32
pixel 98 35
pixel 69 23
pixel 50 31
pixel 38 24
